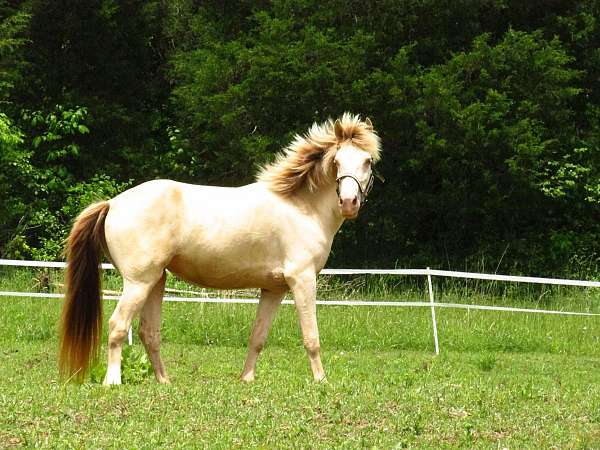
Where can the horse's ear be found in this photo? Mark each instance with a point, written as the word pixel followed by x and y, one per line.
pixel 369 124
pixel 339 130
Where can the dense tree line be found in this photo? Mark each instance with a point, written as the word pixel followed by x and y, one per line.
pixel 489 113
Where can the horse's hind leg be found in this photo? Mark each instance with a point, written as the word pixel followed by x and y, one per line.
pixel 150 329
pixel 133 298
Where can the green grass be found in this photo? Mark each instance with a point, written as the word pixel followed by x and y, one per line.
pixel 503 380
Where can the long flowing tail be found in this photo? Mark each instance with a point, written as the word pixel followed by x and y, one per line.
pixel 81 320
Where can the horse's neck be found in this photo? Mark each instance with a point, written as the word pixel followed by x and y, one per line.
pixel 324 203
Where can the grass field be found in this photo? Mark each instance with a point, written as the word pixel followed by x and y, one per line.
pixel 503 380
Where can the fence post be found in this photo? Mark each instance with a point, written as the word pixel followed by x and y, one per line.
pixel 433 321
pixel 130 336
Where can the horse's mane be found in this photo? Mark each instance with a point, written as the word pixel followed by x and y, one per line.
pixel 309 158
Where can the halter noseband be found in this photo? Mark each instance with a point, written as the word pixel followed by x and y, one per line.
pixel 363 192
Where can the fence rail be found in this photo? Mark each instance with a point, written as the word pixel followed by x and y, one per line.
pixel 432 272
pixel 429 273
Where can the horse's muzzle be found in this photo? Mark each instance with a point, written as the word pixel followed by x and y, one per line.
pixel 349 207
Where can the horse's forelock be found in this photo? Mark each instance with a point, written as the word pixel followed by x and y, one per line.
pixel 361 134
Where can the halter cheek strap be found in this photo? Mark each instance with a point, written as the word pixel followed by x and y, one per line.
pixel 363 192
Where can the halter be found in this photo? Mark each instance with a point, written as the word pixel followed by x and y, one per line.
pixel 363 192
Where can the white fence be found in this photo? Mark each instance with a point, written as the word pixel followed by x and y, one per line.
pixel 429 273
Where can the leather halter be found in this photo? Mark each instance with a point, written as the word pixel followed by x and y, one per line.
pixel 363 192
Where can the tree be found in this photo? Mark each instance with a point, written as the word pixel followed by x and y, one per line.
pixel 487 110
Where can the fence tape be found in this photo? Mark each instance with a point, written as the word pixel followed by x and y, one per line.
pixel 433 272
pixel 428 272
pixel 321 302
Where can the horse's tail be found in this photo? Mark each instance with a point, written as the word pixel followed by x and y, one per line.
pixel 81 320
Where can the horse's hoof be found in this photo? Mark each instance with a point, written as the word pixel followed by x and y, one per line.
pixel 247 378
pixel 163 380
pixel 112 379
pixel 321 380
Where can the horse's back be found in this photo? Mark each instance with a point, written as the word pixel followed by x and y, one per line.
pixel 165 204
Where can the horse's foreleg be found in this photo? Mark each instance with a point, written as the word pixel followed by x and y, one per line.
pixel 267 307
pixel 133 297
pixel 150 329
pixel 304 288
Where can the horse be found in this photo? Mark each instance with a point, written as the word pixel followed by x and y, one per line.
pixel 274 234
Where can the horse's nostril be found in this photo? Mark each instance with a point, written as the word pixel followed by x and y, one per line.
pixel 340 201
pixel 354 201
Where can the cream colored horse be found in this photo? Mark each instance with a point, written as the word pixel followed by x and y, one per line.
pixel 274 234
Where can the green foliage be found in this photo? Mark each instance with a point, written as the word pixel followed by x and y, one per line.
pixel 15 175
pixel 135 367
pixel 486 361
pixel 43 192
pixel 75 199
pixel 12 38
pixel 487 110
pixel 489 123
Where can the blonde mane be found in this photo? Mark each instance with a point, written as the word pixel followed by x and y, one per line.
pixel 309 158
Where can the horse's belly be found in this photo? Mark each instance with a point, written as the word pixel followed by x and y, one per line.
pixel 230 276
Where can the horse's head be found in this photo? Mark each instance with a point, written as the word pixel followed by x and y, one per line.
pixel 354 173
pixel 342 152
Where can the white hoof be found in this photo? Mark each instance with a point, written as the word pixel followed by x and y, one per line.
pixel 247 377
pixel 113 377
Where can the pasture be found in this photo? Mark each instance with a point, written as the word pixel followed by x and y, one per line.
pixel 502 380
